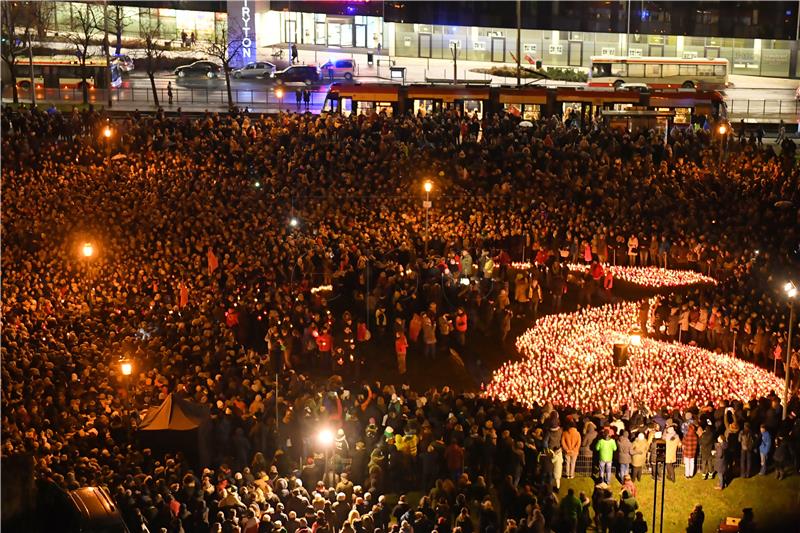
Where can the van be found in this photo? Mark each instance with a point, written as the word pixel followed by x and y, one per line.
pixel 341 68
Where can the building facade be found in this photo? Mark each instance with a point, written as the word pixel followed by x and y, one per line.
pixel 757 37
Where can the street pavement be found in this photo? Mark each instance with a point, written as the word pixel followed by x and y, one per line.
pixel 756 97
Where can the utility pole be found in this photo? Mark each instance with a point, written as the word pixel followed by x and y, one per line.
pixel 455 62
pixel 106 45
pixel 30 62
pixel 519 42
pixel 788 368
pixel 628 32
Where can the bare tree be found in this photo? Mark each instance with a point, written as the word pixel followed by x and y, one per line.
pixel 153 55
pixel 118 21
pixel 17 19
pixel 85 31
pixel 43 13
pixel 225 51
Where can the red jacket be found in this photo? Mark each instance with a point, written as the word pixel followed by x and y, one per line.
pixel 400 345
pixel 690 443
pixel 461 322
pixel 324 342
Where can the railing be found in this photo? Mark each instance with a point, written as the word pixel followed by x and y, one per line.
pixel 268 99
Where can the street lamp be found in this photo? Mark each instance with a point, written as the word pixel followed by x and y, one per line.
pixel 293 222
pixel 427 187
pixel 126 367
pixel 326 438
pixel 107 135
pixel 635 337
pixel 88 249
pixel 791 291
pixel 722 130
pixel 279 94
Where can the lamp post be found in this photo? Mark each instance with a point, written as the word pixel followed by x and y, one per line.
pixel 126 367
pixel 791 291
pixel 279 94
pixel 428 187
pixel 325 439
pixel 722 130
pixel 107 133
pixel 87 252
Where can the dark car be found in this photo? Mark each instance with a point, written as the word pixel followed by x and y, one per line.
pixel 95 512
pixel 298 73
pixel 198 68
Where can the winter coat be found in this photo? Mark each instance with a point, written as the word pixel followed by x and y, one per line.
pixel 624 448
pixel 639 452
pixel 571 441
pixel 690 443
pixel 719 457
pixel 766 443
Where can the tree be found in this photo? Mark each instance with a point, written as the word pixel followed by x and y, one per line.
pixel 118 21
pixel 17 20
pixel 85 30
pixel 43 13
pixel 153 55
pixel 225 51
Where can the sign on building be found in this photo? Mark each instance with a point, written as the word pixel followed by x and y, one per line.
pixel 241 32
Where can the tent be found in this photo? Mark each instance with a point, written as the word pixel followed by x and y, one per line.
pixel 177 425
pixel 174 414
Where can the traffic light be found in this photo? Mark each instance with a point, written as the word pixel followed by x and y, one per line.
pixel 538 64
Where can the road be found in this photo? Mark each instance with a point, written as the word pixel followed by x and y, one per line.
pixel 197 94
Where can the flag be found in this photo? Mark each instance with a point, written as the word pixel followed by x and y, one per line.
pixel 212 261
pixel 184 297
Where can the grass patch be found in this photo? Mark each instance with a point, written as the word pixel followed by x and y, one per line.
pixel 776 504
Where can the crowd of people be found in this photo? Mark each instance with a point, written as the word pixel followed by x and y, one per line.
pixel 264 267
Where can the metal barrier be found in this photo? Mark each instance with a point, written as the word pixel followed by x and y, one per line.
pixel 588 466
pixel 268 99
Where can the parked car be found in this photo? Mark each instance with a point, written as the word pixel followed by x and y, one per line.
pixel 94 511
pixel 198 68
pixel 341 68
pixel 123 62
pixel 262 69
pixel 304 73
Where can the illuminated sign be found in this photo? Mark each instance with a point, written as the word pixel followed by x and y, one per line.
pixel 241 32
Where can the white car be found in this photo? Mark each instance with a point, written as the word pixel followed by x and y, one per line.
pixel 261 69
pixel 341 68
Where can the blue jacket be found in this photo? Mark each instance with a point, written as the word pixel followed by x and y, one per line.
pixel 766 443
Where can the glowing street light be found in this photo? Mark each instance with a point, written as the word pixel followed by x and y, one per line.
pixel 107 132
pixel 427 187
pixel 635 337
pixel 88 249
pixel 293 222
pixel 723 129
pixel 126 367
pixel 325 438
pixel 791 290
